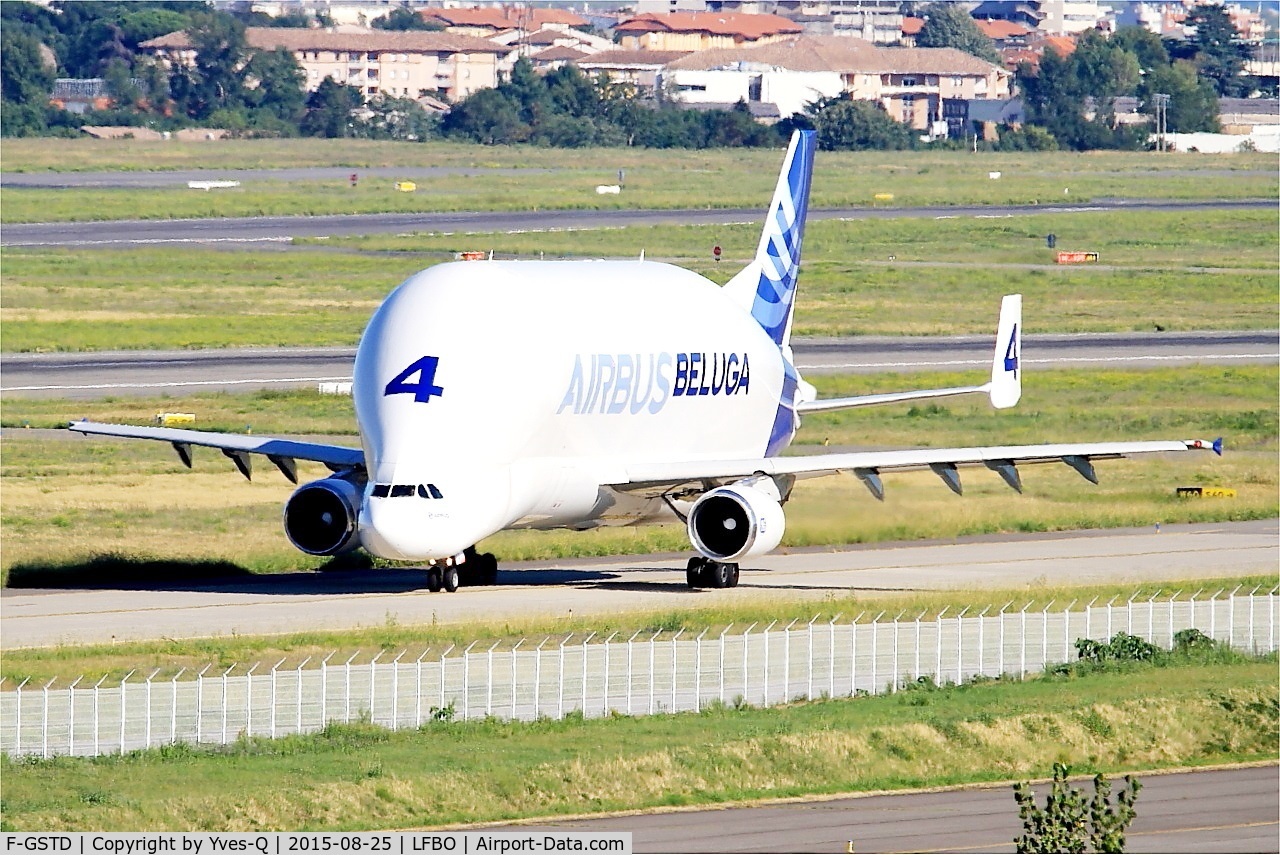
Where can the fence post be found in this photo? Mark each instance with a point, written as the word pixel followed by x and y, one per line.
pixel 560 680
pixel 17 738
pixel 1192 618
pixel 982 643
pixel 764 701
pixel 1044 635
pixel 446 652
pixel 960 646
pixel 71 712
pixel 1213 616
pixel 1088 618
pixel 1231 618
pixel 786 661
pixel 584 673
pixel 298 716
pixel 809 687
pixel 274 698
pixel 44 728
pixel 346 689
pixel 1271 622
pixel 96 686
pixel 395 691
pixel 853 656
pixel 488 697
pixel 173 705
pixel 630 670
pixel 875 654
pixel 1128 624
pixel 373 686
pixel 123 681
pixel 1151 617
pixel 697 673
pixel 1001 661
pixel 513 677
pixel 937 665
pixel 225 673
pixel 915 671
pixel 1172 599
pixel 831 657
pixel 897 675
pixel 537 679
pixel 1253 647
pixel 720 695
pixel 148 725
pixel 1066 631
pixel 746 639
pixel 1110 603
pixel 1022 632
pixel 679 633
pixel 653 645
pixel 604 707
pixel 248 699
pixel 466 681
pixel 324 688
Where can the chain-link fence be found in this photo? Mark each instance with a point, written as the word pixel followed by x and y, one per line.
pixel 641 675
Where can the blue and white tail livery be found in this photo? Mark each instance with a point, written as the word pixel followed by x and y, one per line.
pixel 768 285
pixel 1006 365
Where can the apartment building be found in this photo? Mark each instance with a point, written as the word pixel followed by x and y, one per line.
pixel 694 31
pixel 405 64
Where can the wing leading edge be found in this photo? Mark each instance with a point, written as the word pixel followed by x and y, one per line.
pixel 696 477
pixel 282 452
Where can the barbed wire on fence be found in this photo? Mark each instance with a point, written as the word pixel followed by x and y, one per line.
pixel 581 673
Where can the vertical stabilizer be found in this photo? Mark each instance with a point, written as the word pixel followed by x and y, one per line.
pixel 767 286
pixel 1006 363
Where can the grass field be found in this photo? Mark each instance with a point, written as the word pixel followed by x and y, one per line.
pixel 66 501
pixel 567 179
pixel 1181 271
pixel 349 777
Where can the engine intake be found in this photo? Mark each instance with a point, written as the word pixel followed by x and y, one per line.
pixel 737 521
pixel 321 518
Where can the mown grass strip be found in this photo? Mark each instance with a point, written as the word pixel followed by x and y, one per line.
pixel 561 179
pixel 352 777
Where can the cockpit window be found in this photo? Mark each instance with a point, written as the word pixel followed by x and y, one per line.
pixel 398 490
pixel 381 491
pixel 432 490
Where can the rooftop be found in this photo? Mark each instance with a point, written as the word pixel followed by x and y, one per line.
pixel 715 23
pixel 402 41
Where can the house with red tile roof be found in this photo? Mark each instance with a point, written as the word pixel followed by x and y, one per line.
pixel 690 31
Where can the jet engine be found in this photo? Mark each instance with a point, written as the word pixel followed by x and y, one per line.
pixel 321 518
pixel 737 521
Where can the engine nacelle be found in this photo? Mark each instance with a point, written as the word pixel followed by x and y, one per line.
pixel 322 518
pixel 737 521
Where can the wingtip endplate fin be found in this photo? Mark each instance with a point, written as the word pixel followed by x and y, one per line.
pixel 1006 363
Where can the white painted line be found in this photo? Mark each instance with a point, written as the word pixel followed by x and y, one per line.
pixel 144 241
pixel 1058 361
pixel 170 385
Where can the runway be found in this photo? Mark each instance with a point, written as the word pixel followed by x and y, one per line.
pixel 255 605
pixel 1230 810
pixel 84 376
pixel 285 229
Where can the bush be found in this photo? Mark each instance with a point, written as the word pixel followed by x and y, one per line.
pixel 1069 823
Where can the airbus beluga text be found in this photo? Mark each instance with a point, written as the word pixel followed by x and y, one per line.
pixel 495 395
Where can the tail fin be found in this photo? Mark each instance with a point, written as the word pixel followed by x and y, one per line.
pixel 767 286
pixel 1006 362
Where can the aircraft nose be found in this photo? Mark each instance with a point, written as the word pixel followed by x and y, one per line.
pixel 401 528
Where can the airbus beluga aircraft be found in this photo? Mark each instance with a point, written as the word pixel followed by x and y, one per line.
pixel 497 395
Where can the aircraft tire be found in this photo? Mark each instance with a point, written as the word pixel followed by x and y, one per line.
pixel 435 580
pixel 734 573
pixel 693 573
pixel 450 578
pixel 719 574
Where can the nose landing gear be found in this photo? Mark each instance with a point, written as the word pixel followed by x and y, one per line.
pixel 706 573
pixel 473 570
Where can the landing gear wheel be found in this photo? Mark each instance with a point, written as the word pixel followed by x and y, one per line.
pixel 693 572
pixel 435 580
pixel 487 572
pixel 733 576
pixel 450 578
pixel 719 575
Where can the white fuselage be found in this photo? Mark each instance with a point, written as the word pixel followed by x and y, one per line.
pixel 518 390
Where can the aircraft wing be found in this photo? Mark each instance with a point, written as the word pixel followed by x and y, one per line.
pixel 683 479
pixel 238 447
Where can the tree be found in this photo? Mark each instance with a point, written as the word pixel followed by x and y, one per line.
pixel 844 124
pixel 1145 46
pixel 488 116
pixel 24 77
pixel 215 83
pixel 1193 103
pixel 1069 823
pixel 1220 55
pixel 274 86
pixel 404 18
pixel 949 25
pixel 330 111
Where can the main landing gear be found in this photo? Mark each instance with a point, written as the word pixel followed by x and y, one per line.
pixel 705 573
pixel 474 570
